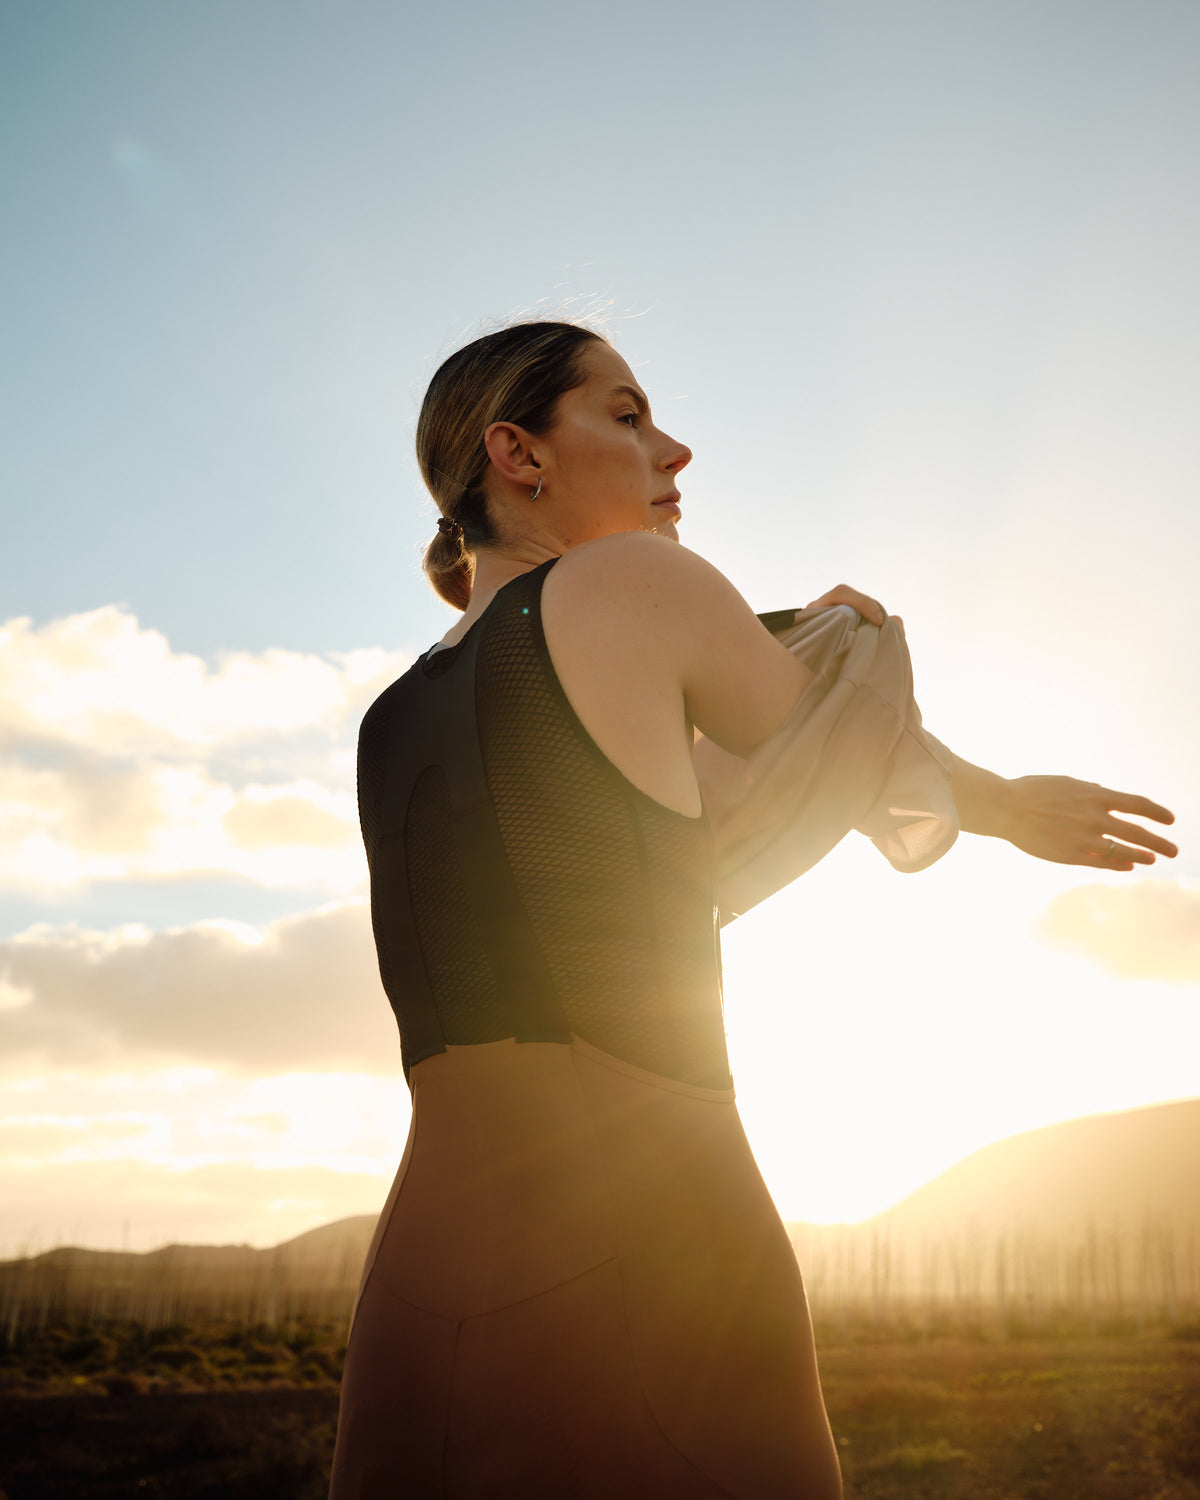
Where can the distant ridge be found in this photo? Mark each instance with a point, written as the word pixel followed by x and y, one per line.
pixel 1110 1170
pixel 1115 1172
pixel 320 1247
pixel 312 1277
pixel 1093 1219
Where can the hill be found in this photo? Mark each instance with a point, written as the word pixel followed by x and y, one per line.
pixel 1085 1210
pixel 1111 1169
pixel 312 1277
pixel 1102 1211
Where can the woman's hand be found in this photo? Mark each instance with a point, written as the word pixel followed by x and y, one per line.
pixel 1074 823
pixel 870 609
pixel 1056 818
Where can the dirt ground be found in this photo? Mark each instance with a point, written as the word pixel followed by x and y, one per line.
pixel 1096 1419
pixel 273 1444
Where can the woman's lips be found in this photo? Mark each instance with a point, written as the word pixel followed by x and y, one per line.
pixel 669 503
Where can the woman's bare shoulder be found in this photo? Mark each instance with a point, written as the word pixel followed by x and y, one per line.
pixel 638 567
pixel 652 613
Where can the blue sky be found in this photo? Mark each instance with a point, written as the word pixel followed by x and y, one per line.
pixel 914 281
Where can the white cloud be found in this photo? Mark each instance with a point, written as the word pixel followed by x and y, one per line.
pixel 303 992
pixel 13 996
pixel 190 1153
pixel 101 679
pixel 291 817
pixel 31 1141
pixel 125 760
pixel 1149 929
pixel 112 1204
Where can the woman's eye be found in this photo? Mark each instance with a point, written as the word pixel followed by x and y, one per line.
pixel 631 417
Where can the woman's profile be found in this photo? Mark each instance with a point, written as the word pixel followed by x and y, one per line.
pixel 579 1285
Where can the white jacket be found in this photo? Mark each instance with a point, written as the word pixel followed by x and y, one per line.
pixel 851 754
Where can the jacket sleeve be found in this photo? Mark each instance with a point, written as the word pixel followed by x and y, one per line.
pixel 852 754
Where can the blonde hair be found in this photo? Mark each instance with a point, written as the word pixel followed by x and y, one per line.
pixel 514 375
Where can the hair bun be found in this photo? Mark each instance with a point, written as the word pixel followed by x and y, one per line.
pixel 450 528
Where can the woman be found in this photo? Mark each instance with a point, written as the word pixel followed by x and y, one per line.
pixel 579 1286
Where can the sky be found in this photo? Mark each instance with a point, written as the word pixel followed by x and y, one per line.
pixel 916 283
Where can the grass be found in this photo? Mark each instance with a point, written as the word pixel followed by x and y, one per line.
pixel 127 1358
pixel 253 1444
pixel 1078 1419
pixel 246 1413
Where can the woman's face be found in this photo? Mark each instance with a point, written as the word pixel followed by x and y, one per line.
pixel 606 466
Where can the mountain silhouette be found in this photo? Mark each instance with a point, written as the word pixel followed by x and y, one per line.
pixel 1098 1212
pixel 1111 1170
pixel 1132 1178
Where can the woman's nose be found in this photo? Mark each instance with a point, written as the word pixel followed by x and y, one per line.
pixel 679 456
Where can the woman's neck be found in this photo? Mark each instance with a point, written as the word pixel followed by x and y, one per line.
pixel 494 567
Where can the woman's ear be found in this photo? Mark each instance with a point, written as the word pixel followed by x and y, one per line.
pixel 510 449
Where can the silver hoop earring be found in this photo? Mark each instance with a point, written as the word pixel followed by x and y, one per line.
pixel 533 494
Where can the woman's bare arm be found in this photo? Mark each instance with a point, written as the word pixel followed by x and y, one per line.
pixel 1059 818
pixel 1056 818
pixel 648 639
pixel 640 628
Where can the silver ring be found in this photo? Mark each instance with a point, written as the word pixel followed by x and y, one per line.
pixel 1110 851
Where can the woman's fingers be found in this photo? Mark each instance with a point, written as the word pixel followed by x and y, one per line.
pixel 1073 823
pixel 1132 833
pixel 1140 807
pixel 1121 860
pixel 1124 856
pixel 869 608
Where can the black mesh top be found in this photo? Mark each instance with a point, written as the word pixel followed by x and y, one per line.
pixel 521 886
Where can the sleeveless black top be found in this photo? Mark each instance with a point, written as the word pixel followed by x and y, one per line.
pixel 521 886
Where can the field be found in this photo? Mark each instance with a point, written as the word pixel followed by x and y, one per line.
pixel 197 1412
pixel 999 1335
pixel 1105 1419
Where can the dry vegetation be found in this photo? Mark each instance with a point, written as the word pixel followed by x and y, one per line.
pixel 131 1359
pixel 986 1371
pixel 1113 1280
pixel 1094 1419
pixel 254 1444
pixel 194 1413
pixel 309 1280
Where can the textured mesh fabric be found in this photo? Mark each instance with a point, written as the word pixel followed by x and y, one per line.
pixel 454 958
pixel 492 820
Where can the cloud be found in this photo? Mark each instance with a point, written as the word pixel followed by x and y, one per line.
pixel 30 1139
pixel 154 1155
pixel 87 820
pixel 289 817
pixel 300 993
pixel 125 760
pixel 101 679
pixel 1144 930
pixel 117 1203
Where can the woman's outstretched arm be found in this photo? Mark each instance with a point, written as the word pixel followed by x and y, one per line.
pixel 1059 818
